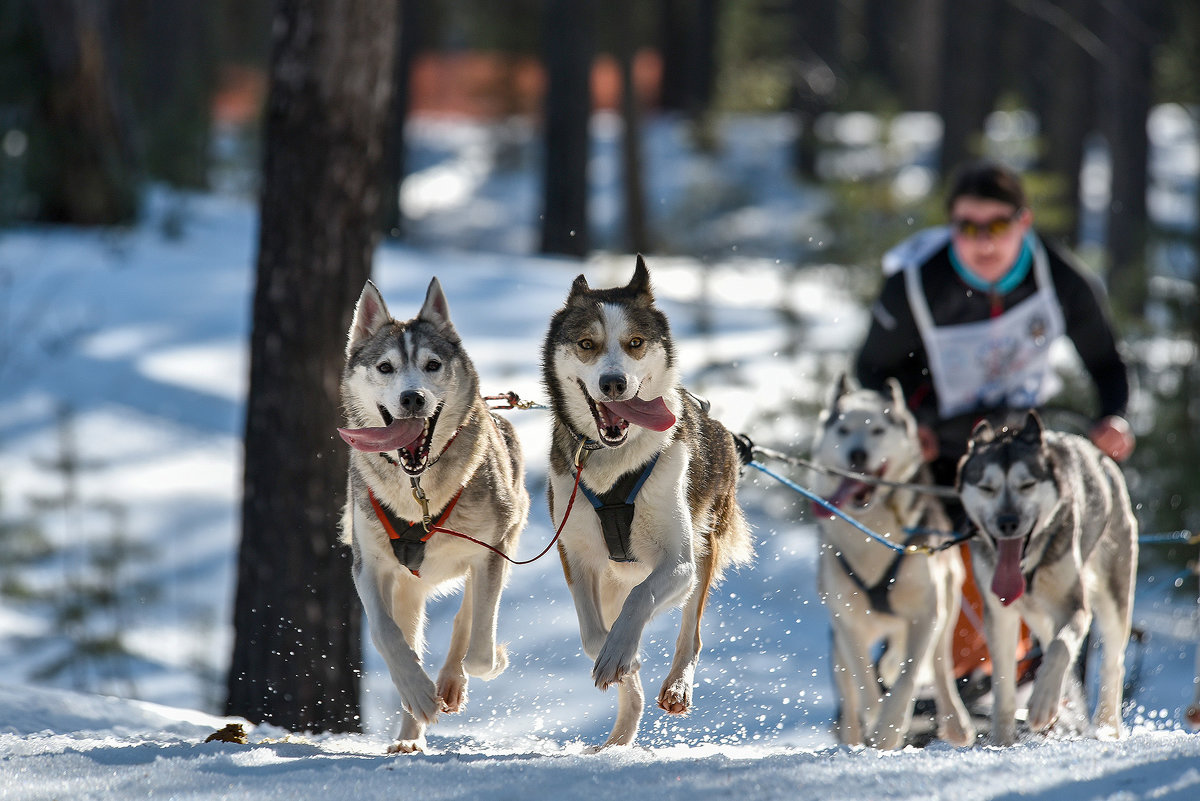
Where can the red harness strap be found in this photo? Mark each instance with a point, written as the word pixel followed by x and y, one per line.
pixel 382 516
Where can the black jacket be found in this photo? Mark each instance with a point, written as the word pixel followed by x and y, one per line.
pixel 893 346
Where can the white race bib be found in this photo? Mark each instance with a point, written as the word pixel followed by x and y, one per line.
pixel 1001 362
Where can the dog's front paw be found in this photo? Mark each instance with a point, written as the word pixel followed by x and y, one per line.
pixel 1044 704
pixel 676 698
pixel 408 746
pixel 452 690
pixel 420 699
pixel 1004 733
pixel 886 738
pixel 489 666
pixel 614 664
pixel 956 732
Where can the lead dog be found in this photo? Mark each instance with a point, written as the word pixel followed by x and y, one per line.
pixel 874 593
pixel 1057 544
pixel 418 426
pixel 622 418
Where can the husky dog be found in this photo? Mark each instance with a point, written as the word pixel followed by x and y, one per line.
pixel 663 521
pixel 1057 543
pixel 874 593
pixel 427 453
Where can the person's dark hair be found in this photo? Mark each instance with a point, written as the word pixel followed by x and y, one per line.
pixel 986 179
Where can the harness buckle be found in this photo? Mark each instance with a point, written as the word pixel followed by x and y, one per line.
pixel 581 454
pixel 419 497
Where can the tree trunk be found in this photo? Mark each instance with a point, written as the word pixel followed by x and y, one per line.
pixel 636 229
pixel 816 69
pixel 395 161
pixel 1131 30
pixel 1065 101
pixel 297 619
pixel 81 162
pixel 970 79
pixel 687 38
pixel 568 54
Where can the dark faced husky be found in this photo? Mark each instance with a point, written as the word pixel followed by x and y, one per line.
pixel 874 593
pixel 427 452
pixel 661 521
pixel 1057 544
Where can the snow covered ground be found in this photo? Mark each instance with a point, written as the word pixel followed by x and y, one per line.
pixel 143 333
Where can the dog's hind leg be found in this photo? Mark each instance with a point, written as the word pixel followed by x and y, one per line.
pixel 630 701
pixel 675 696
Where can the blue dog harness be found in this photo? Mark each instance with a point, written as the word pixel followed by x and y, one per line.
pixel 615 508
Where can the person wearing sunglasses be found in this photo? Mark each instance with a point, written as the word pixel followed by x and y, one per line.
pixel 967 317
pixel 965 322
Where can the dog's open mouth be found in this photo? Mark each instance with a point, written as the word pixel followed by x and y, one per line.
pixel 410 436
pixel 855 493
pixel 614 417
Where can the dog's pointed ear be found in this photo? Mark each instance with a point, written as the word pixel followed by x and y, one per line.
pixel 1033 429
pixel 639 284
pixel 958 472
pixel 981 434
pixel 435 310
pixel 897 393
pixel 370 314
pixel 843 386
pixel 579 290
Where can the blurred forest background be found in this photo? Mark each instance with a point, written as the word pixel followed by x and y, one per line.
pixel 100 99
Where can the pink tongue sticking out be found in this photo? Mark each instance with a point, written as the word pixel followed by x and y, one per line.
pixel 651 414
pixel 1008 584
pixel 399 434
pixel 847 489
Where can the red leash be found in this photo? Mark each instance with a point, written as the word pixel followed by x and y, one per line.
pixel 497 551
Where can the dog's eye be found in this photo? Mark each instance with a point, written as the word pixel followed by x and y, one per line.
pixel 636 342
pixel 987 489
pixel 1027 486
pixel 384 367
pixel 432 366
pixel 878 431
pixel 586 344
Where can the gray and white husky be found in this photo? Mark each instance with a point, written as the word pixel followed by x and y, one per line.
pixel 1057 544
pixel 418 427
pixel 662 521
pixel 873 593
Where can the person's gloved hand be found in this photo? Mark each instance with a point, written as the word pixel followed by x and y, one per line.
pixel 1114 437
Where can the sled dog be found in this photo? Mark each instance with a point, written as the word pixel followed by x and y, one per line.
pixel 418 427
pixel 661 521
pixel 873 593
pixel 1057 544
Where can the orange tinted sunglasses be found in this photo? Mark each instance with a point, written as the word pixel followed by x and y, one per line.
pixel 997 226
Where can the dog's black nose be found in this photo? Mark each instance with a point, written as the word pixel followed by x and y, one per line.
pixel 1007 524
pixel 858 460
pixel 613 385
pixel 412 401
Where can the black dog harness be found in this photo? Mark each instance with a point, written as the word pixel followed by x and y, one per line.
pixel 615 507
pixel 877 595
pixel 408 539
